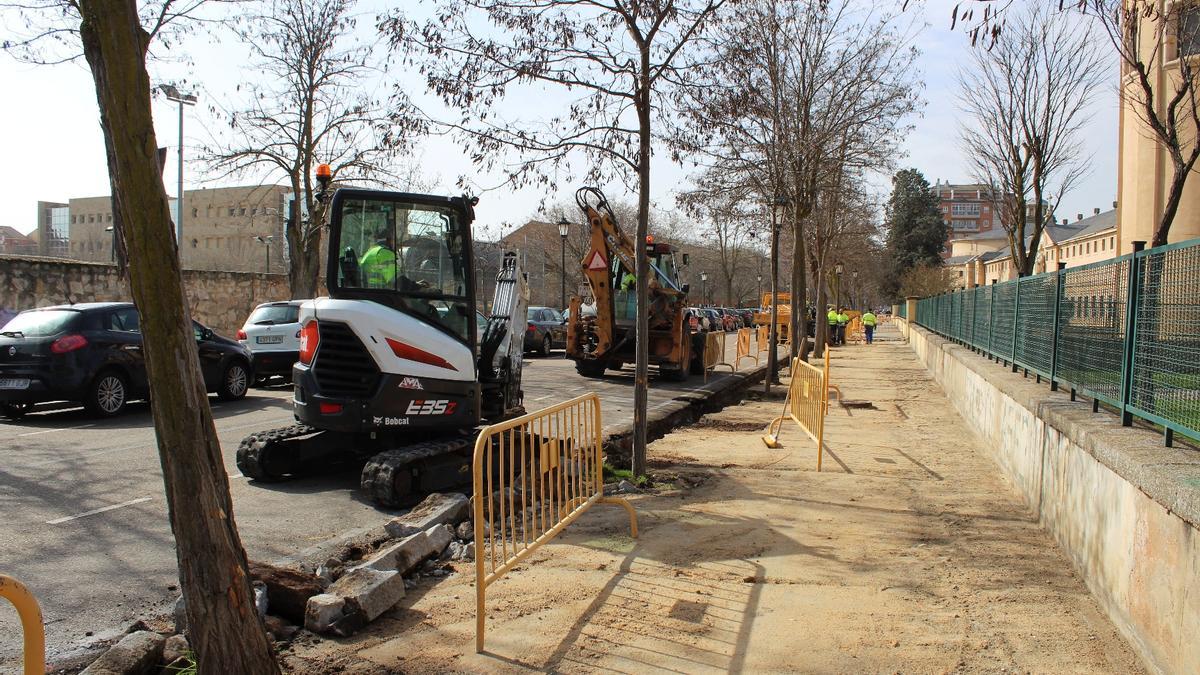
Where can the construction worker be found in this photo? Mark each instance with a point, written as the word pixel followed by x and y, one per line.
pixel 628 282
pixel 868 321
pixel 832 317
pixel 378 264
pixel 842 320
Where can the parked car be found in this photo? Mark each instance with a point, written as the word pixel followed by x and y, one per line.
pixel 731 319
pixel 712 319
pixel 547 330
pixel 272 334
pixel 92 353
pixel 747 317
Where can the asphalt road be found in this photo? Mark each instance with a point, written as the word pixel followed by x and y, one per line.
pixel 84 520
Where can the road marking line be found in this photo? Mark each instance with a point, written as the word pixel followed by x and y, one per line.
pixel 59 521
pixel 50 431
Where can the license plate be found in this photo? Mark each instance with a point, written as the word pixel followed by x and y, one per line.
pixel 269 339
pixel 14 383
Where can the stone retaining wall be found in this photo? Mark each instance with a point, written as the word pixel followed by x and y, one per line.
pixel 1125 508
pixel 220 300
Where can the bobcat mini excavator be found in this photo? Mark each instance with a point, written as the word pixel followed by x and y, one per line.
pixel 390 367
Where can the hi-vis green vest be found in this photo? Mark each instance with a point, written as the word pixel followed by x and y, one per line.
pixel 833 317
pixel 378 266
pixel 843 319
pixel 868 319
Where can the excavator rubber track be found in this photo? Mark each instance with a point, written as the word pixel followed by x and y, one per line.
pixel 400 476
pixel 269 456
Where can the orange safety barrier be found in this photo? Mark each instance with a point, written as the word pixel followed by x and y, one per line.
pixel 533 476
pixel 744 335
pixel 31 623
pixel 714 352
pixel 763 337
pixel 806 403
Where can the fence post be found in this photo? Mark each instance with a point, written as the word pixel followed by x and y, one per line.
pixel 991 317
pixel 1016 321
pixel 1059 279
pixel 1131 303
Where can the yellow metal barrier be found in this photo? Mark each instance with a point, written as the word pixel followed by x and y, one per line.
pixel 744 335
pixel 714 352
pixel 31 623
pixel 763 337
pixel 533 476
pixel 806 403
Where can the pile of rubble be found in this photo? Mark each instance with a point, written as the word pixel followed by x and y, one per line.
pixel 351 588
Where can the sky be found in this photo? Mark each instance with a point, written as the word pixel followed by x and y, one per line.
pixel 53 147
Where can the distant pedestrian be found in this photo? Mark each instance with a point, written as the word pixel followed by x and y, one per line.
pixel 868 321
pixel 842 319
pixel 832 318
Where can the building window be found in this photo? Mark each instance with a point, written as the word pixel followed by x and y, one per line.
pixel 254 211
pixel 91 217
pixel 195 212
pixel 964 209
pixel 1112 241
pixel 231 210
pixel 1188 30
pixel 959 224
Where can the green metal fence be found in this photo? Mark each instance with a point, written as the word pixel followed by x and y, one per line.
pixel 1125 332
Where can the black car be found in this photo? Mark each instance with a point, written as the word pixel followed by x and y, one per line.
pixel 547 330
pixel 92 353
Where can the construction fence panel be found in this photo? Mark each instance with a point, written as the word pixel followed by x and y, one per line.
pixel 982 329
pixel 806 404
pixel 714 351
pixel 763 337
pixel 744 351
pixel 32 628
pixel 533 476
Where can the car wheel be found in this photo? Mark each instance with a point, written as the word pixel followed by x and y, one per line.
pixel 546 346
pixel 108 394
pixel 14 411
pixel 234 381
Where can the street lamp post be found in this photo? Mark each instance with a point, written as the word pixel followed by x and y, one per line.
pixel 837 286
pixel 779 207
pixel 703 279
pixel 564 227
pixel 173 94
pixel 760 291
pixel 267 240
pixel 854 288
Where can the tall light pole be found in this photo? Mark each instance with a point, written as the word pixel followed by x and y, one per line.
pixel 564 227
pixel 173 94
pixel 760 291
pixel 837 283
pixel 779 207
pixel 703 279
pixel 267 240
pixel 854 288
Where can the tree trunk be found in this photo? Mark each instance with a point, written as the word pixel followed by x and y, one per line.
pixel 641 376
pixel 773 332
pixel 224 628
pixel 1174 195
pixel 800 286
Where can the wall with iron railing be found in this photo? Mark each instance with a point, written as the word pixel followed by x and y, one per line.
pixel 1124 332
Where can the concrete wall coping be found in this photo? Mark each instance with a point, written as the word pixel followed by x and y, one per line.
pixel 1169 476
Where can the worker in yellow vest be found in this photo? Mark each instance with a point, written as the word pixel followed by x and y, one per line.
pixel 868 321
pixel 832 317
pixel 842 320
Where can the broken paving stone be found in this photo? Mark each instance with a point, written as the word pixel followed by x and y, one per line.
pixel 466 530
pixel 403 556
pixel 135 653
pixel 436 509
pixel 280 629
pixel 260 597
pixel 180 614
pixel 322 611
pixel 440 537
pixel 373 591
pixel 175 647
pixel 288 590
pixel 625 487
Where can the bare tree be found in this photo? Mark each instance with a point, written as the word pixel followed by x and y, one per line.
pixel 225 631
pixel 1027 98
pixel 729 213
pixel 923 281
pixel 306 106
pixel 617 56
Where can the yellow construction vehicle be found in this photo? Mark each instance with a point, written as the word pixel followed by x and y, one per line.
pixel 606 339
pixel 783 316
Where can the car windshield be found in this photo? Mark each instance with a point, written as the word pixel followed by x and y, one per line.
pixel 273 314
pixel 413 250
pixel 39 323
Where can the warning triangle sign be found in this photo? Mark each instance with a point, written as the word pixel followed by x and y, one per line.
pixel 597 262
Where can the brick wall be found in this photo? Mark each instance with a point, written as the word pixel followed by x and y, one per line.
pixel 220 300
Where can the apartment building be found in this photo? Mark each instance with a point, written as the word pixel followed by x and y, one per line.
pixel 234 229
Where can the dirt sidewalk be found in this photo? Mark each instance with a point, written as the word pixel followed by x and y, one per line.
pixel 907 553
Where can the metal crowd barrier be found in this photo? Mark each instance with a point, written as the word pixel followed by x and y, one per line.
pixel 763 336
pixel 744 335
pixel 806 403
pixel 714 352
pixel 31 623
pixel 533 476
